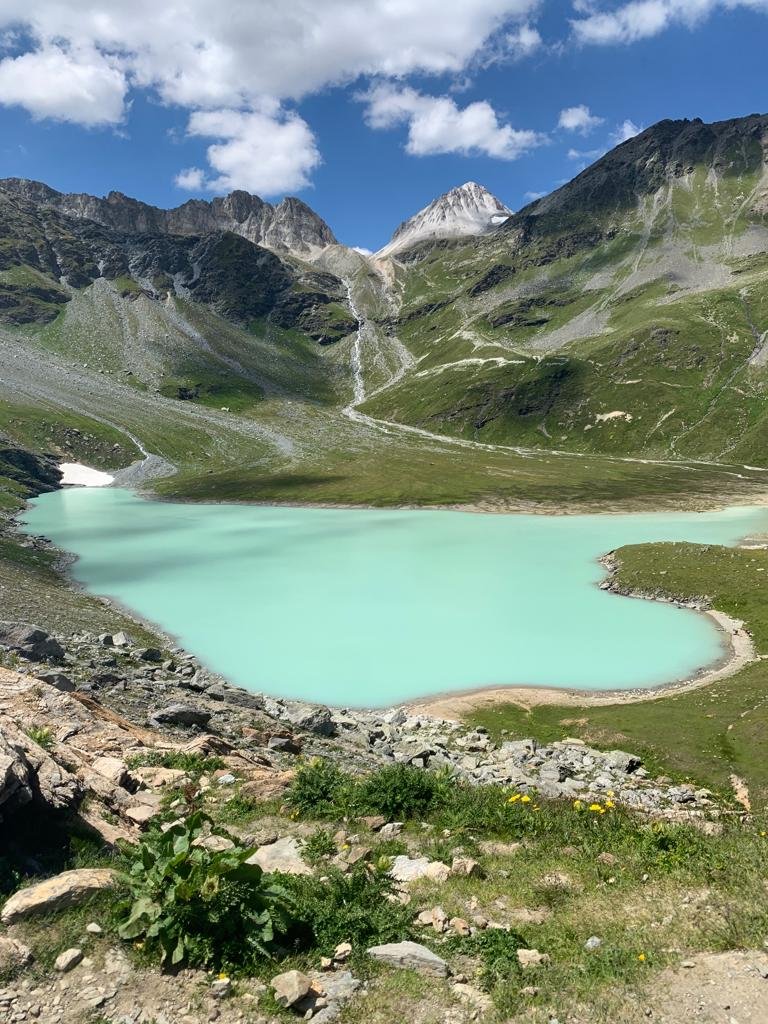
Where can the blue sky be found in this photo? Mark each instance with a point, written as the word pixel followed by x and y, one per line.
pixel 367 109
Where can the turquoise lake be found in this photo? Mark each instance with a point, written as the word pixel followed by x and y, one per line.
pixel 371 608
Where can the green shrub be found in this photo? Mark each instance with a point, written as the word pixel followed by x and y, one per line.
pixel 318 791
pixel 193 765
pixel 348 908
pixel 322 790
pixel 319 846
pixel 400 791
pixel 193 905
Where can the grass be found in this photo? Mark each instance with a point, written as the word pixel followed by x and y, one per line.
pixel 706 735
pixel 653 893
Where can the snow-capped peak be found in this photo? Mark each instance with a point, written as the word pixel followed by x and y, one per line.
pixel 469 209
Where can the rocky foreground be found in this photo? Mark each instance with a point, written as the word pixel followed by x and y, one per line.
pixel 111 698
pixel 89 726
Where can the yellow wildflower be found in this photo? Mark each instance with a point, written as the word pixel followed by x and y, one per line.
pixel 525 799
pixel 641 957
pixel 577 805
pixel 514 799
pixel 609 804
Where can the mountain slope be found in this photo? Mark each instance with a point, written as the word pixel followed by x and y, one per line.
pixel 627 313
pixel 469 209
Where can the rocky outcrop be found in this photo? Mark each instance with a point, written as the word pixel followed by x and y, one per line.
pixel 117 690
pixel 291 226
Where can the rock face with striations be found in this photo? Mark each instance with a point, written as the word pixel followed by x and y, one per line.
pixel 290 226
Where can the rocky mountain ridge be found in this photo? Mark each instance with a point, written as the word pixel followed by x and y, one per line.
pixel 665 154
pixel 289 227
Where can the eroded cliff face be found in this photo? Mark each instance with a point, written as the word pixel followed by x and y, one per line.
pixel 291 226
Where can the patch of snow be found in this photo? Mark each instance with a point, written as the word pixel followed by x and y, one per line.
pixel 76 474
pixel 617 414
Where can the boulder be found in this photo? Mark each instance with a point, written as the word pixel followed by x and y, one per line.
pixel 622 761
pixel 412 956
pixel 284 855
pixel 284 744
pixel 71 888
pixel 180 714
pixel 13 955
pixel 466 867
pixel 410 869
pixel 30 642
pixel 310 718
pixel 290 987
pixel 68 959
pixel 58 680
pixel 112 768
pixel 15 777
pixel 29 773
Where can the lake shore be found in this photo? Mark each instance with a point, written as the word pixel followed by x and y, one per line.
pixel 740 651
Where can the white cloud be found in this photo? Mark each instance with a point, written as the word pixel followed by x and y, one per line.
pixel 437 125
pixel 626 130
pixel 191 179
pixel 523 41
pixel 533 196
pixel 362 250
pixel 265 151
pixel 80 86
pixel 585 154
pixel 642 19
pixel 578 119
pixel 206 53
pixel 237 58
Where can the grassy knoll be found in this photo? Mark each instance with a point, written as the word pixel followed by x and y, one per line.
pixel 707 734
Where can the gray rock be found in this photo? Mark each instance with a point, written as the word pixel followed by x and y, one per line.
pixel 623 761
pixel 148 654
pixel 284 744
pixel 592 943
pixel 410 869
pixel 180 714
pixel 30 642
pixel 13 955
pixel 68 959
pixel 411 956
pixel 311 718
pixel 58 680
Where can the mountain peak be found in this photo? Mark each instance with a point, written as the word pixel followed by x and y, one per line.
pixel 468 209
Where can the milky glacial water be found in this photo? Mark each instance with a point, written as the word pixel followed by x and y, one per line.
pixel 371 608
